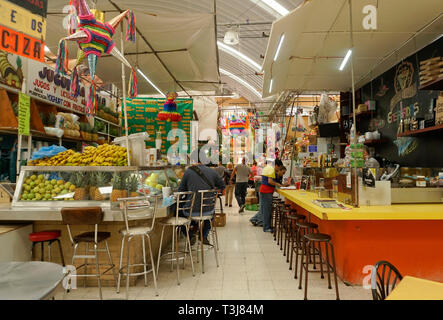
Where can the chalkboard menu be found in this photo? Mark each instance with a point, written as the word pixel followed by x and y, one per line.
pixel 142 116
pixel 397 94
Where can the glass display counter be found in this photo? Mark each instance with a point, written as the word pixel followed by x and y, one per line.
pixel 53 187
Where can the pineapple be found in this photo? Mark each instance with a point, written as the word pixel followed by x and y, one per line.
pixel 80 180
pixel 92 185
pixel 101 181
pixel 133 186
pixel 118 187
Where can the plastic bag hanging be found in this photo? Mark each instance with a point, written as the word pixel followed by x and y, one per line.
pixel 132 86
pixel 61 65
pixel 130 27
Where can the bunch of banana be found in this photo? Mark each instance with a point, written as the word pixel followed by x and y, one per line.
pixel 58 160
pixel 110 155
pixel 103 155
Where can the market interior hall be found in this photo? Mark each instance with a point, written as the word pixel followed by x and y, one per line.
pixel 250 150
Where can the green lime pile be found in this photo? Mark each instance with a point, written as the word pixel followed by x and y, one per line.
pixel 38 188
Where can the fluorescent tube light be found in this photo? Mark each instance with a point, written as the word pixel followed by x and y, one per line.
pixel 276 6
pixel 345 60
pixel 239 55
pixel 150 82
pixel 241 81
pixel 282 37
pixel 270 85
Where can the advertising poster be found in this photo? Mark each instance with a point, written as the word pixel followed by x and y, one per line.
pixel 142 116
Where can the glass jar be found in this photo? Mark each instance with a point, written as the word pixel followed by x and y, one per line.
pixel 335 189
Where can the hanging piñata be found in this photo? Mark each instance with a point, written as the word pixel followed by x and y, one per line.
pixel 169 112
pixel 94 38
pixel 238 126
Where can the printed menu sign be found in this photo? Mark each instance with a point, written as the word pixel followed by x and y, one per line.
pixel 24 113
pixel 142 116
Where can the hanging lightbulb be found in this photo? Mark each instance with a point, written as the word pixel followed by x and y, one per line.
pixel 231 36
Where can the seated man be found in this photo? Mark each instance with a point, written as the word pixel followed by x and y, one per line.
pixel 200 177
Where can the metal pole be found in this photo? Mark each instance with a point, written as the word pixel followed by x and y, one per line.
pixel 124 95
pixel 353 104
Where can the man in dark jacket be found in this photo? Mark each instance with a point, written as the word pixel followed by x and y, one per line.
pixel 201 177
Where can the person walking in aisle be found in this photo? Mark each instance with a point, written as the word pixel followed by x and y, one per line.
pixel 229 185
pixel 267 188
pixel 243 172
pixel 254 173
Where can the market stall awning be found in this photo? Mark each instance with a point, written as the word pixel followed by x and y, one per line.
pixel 175 51
pixel 317 37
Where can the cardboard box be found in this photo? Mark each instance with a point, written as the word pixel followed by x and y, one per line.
pixel 251 200
pixel 220 219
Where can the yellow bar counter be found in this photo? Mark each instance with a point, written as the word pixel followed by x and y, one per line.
pixel 410 236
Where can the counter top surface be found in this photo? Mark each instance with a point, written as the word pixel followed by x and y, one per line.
pixel 46 214
pixel 392 212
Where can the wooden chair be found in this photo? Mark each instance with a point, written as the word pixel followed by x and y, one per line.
pixel 88 216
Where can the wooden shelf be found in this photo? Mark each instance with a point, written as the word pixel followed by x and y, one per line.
pixel 420 131
pixel 371 142
pixel 38 135
pixel 434 85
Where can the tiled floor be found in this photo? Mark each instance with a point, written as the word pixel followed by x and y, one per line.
pixel 251 267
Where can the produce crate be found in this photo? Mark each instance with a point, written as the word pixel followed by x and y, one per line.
pixel 220 219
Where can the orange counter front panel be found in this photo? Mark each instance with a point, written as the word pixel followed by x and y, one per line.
pixel 413 246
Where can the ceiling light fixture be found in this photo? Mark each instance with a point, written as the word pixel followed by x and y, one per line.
pixel 231 36
pixel 241 81
pixel 270 85
pixel 276 6
pixel 273 7
pixel 282 37
pixel 150 82
pixel 345 60
pixel 239 55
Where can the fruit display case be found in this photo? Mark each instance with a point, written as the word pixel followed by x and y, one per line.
pixel 80 186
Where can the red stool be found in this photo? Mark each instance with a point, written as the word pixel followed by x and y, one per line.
pixel 49 236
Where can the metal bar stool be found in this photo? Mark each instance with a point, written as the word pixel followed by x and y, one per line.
pixel 281 224
pixel 319 238
pixel 277 221
pixel 285 228
pixel 274 215
pixel 207 210
pixel 303 228
pixel 292 219
pixel 137 209
pixel 184 204
pixel 88 216
pixel 42 237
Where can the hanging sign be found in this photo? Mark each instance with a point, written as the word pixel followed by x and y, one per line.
pixel 24 114
pixel 142 117
pixel 21 44
pixel 19 19
pixel 35 6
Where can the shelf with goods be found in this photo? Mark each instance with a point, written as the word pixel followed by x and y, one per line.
pixel 43 114
pixel 436 128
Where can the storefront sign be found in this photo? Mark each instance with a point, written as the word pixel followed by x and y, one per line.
pixel 142 116
pixel 24 114
pixel 22 20
pixel 44 83
pixel 35 6
pixel 21 44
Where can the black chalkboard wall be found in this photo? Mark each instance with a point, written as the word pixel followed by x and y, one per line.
pixel 424 150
